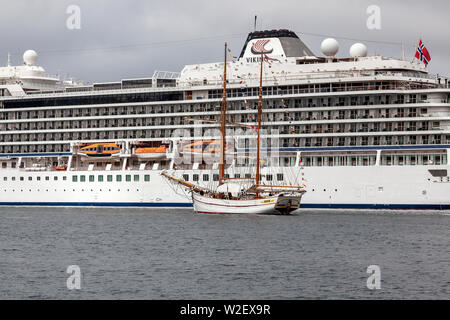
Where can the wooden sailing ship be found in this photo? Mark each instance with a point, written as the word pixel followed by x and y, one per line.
pixel 229 197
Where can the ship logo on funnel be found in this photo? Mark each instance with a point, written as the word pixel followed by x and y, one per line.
pixel 258 47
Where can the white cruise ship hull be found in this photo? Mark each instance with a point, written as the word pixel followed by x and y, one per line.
pixel 374 187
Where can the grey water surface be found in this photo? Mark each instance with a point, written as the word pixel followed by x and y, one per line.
pixel 175 254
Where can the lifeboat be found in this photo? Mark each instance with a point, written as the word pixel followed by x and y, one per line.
pixel 60 168
pixel 100 150
pixel 151 152
pixel 205 147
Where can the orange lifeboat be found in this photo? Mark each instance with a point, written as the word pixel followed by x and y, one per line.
pixel 60 168
pixel 101 150
pixel 151 152
pixel 205 147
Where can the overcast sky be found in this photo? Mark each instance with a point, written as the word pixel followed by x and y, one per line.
pixel 132 38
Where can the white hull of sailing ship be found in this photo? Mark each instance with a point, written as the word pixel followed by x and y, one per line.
pixel 209 205
pixel 274 205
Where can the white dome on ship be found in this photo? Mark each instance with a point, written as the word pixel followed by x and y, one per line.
pixel 30 57
pixel 330 47
pixel 358 50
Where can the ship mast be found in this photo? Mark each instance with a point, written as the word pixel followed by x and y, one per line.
pixel 259 126
pixel 223 122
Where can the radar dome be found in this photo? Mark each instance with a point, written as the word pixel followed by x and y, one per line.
pixel 330 47
pixel 358 50
pixel 30 57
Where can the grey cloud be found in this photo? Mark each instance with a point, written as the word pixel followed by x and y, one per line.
pixel 92 53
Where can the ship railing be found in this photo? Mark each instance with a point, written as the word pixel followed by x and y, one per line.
pixel 275 79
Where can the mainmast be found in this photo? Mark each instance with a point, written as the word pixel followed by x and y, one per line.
pixel 259 125
pixel 223 122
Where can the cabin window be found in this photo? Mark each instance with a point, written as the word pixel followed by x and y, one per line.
pixel 119 178
pixel 82 178
pixel 64 178
pixel 109 178
pixel 147 178
pixel 74 178
pixel 30 178
pixel 128 177
pixel 3 164
pixel 91 178
pixel 13 164
pixel 5 179
pixel 55 178
pixel 136 178
pixel 100 178
pixel 195 177
pixel 206 177
pixel 269 177
pixel 21 179
pixel 47 178
pixel 280 177
pixel 185 177
pixel 13 179
pixel 215 177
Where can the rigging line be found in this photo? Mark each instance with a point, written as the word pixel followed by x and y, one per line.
pixel 142 45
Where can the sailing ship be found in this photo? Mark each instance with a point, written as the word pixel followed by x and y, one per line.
pixel 229 197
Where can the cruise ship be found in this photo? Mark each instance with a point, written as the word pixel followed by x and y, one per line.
pixel 363 132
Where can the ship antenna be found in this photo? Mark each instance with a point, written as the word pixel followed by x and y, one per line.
pixel 256 17
pixel 223 121
pixel 403 52
pixel 9 59
pixel 259 124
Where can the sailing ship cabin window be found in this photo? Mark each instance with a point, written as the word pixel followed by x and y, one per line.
pixel 195 177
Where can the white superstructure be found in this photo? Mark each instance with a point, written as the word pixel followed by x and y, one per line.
pixel 359 132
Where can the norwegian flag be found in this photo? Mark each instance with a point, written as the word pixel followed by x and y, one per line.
pixel 422 53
